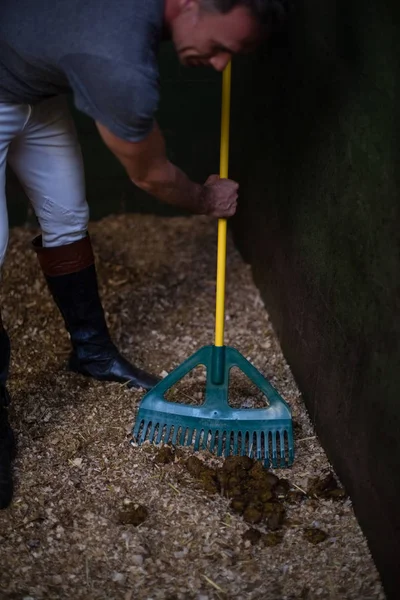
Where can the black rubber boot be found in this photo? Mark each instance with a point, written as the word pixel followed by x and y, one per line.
pixel 7 441
pixel 70 273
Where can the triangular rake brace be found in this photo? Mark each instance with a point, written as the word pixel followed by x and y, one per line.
pixel 262 433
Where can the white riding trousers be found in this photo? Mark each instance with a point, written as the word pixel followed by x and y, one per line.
pixel 41 146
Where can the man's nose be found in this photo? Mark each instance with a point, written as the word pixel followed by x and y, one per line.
pixel 220 61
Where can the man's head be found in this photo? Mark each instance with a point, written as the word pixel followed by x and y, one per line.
pixel 209 32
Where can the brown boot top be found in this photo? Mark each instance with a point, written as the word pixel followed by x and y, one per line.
pixel 63 260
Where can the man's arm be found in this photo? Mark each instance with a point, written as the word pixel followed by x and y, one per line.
pixel 148 167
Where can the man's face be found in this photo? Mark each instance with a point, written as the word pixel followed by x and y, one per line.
pixel 203 37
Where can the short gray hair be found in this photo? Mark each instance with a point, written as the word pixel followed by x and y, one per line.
pixel 265 11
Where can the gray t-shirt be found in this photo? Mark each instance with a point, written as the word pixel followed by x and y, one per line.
pixel 104 50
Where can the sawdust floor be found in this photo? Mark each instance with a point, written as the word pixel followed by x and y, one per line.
pixel 63 536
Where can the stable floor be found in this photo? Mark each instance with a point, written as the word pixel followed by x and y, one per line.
pixel 96 518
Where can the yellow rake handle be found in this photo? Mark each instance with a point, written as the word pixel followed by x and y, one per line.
pixel 223 173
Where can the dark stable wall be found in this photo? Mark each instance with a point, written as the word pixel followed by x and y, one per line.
pixel 316 149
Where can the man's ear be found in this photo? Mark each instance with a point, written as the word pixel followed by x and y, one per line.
pixel 189 5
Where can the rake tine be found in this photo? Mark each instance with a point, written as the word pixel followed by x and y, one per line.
pixel 257 446
pixel 151 435
pixel 258 449
pixel 212 441
pixel 137 429
pixel 290 447
pixel 185 436
pixel 204 441
pixel 227 436
pixel 182 435
pixel 245 449
pixel 282 437
pixel 235 443
pixel 197 440
pixel 172 432
pixel 252 444
pixel 145 429
pixel 159 434
pixel 250 448
pixel 274 450
pixel 266 448
pixel 246 444
pixel 220 440
pixel 175 435
pixel 251 451
pixel 189 437
pixel 167 433
pixel 155 433
pixel 193 436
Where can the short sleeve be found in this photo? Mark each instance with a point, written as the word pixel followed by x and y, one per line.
pixel 122 97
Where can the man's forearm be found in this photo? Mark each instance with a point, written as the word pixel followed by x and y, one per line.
pixel 147 166
pixel 169 184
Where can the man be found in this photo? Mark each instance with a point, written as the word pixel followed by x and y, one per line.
pixel 105 52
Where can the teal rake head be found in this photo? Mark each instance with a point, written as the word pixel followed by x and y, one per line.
pixel 264 434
